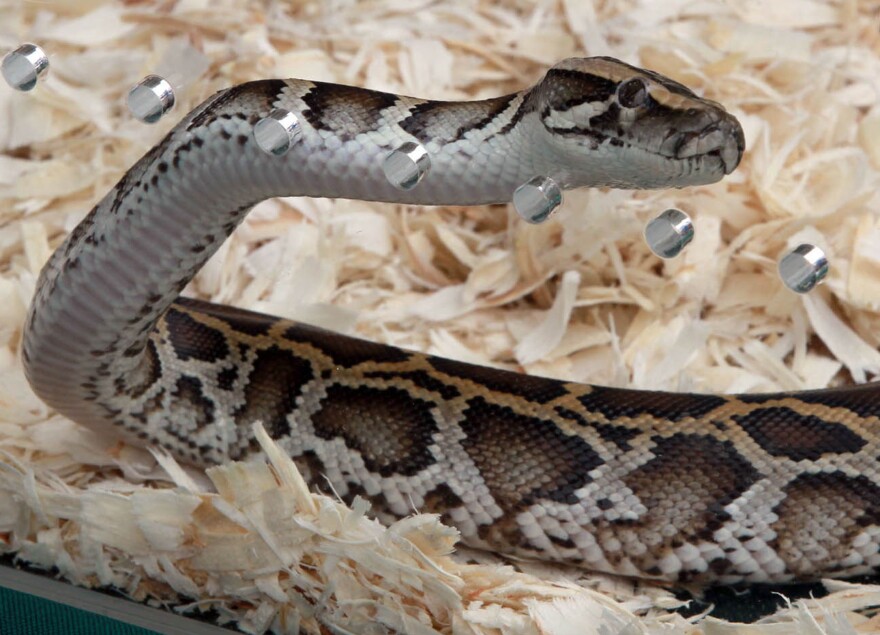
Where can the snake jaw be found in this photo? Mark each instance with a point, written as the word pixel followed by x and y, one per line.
pixel 723 139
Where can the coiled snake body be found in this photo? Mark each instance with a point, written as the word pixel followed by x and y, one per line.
pixel 679 487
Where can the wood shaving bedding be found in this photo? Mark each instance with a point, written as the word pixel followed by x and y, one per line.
pixel 580 297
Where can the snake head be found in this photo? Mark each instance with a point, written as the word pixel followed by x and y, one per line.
pixel 622 126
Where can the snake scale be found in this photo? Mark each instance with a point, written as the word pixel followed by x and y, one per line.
pixel 677 487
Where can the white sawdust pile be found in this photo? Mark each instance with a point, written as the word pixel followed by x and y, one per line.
pixel 579 297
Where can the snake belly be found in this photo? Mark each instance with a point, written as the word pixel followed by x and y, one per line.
pixel 676 487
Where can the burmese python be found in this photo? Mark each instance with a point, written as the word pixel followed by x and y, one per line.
pixel 680 487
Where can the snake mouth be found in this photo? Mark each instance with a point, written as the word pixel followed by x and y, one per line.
pixel 723 139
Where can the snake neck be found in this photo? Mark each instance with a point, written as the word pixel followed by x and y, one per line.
pixel 101 293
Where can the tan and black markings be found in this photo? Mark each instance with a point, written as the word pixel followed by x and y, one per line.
pixel 346 111
pixel 635 482
pixel 430 122
pixel 677 487
pixel 836 511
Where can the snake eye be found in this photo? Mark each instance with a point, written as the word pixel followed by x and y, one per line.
pixel 632 93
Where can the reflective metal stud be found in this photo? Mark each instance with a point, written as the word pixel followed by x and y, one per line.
pixel 277 133
pixel 150 99
pixel 536 199
pixel 669 233
pixel 406 166
pixel 24 66
pixel 803 268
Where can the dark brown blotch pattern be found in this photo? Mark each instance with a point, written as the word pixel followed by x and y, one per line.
pixel 785 432
pixel 687 485
pixel 389 428
pixel 271 390
pixel 193 340
pixel 345 110
pixel 227 377
pixel 523 459
pixel 819 518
